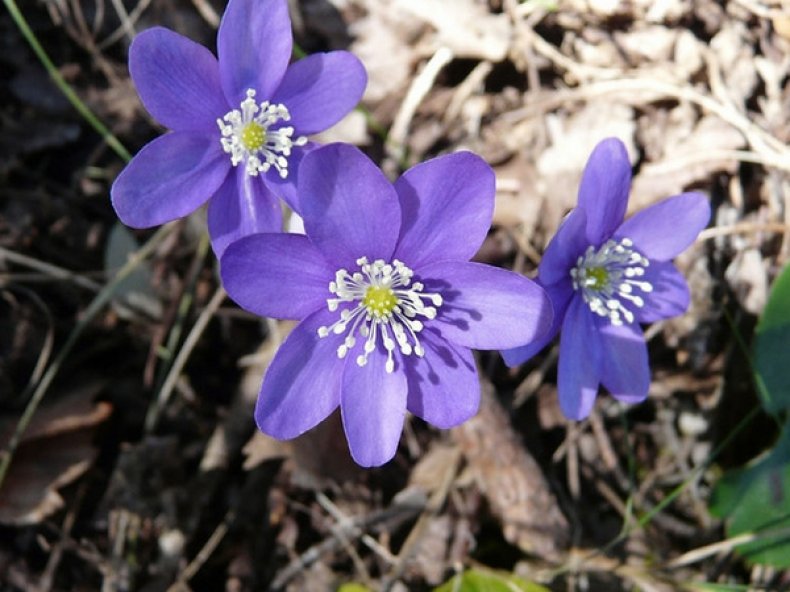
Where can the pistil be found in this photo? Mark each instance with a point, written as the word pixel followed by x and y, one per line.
pixel 385 307
pixel 249 137
pixel 608 278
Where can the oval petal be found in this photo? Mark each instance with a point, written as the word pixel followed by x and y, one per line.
pixel 321 89
pixel 349 207
pixel 177 80
pixel 447 204
pixel 169 178
pixel 254 45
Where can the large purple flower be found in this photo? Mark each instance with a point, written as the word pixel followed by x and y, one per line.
pixel 605 276
pixel 239 123
pixel 388 301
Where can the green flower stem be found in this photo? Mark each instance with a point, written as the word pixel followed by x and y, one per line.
pixel 64 87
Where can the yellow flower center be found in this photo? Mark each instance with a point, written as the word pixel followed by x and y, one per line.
pixel 597 278
pixel 385 308
pixel 253 136
pixel 609 279
pixel 379 300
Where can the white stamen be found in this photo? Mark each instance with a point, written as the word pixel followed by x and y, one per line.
pixel 247 138
pixel 385 304
pixel 605 278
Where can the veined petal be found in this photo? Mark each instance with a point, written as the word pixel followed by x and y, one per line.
pixel 177 80
pixel 243 205
pixel 447 204
pixel 560 295
pixel 321 89
pixel 670 295
pixel 564 250
pixel 603 192
pixel 276 275
pixel 625 371
pixel 580 363
pixel 349 207
pixel 444 388
pixel 486 307
pixel 373 406
pixel 254 45
pixel 168 179
pixel 666 229
pixel 303 382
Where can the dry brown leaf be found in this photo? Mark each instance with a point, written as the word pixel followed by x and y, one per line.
pixel 261 448
pixel 469 30
pixel 748 278
pixel 383 41
pixel 684 161
pixel 56 450
pixel 511 480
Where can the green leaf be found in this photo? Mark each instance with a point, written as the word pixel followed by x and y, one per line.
pixel 756 500
pixel 714 587
pixel 136 289
pixel 478 580
pixel 771 347
pixel 353 587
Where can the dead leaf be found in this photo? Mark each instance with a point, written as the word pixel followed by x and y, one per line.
pixel 56 450
pixel 748 278
pixel 511 480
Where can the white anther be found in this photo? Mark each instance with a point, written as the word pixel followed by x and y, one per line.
pixel 274 144
pixel 388 316
pixel 604 278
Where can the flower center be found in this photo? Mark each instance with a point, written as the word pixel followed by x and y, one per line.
pixel 385 304
pixel 607 278
pixel 248 137
pixel 253 136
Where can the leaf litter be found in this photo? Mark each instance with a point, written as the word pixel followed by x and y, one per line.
pixel 698 93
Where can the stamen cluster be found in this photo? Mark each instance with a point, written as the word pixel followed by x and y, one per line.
pixel 247 137
pixel 387 304
pixel 606 278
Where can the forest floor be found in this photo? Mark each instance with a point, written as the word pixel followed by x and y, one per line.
pixel 141 468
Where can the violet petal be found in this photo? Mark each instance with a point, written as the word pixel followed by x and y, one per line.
pixel 276 275
pixel 373 406
pixel 603 191
pixel 486 307
pixel 254 45
pixel 666 229
pixel 447 205
pixel 560 295
pixel 302 385
pixel 564 250
pixel 580 364
pixel 177 80
pixel 321 89
pixel 349 207
pixel 243 205
pixel 625 371
pixel 170 177
pixel 444 388
pixel 670 295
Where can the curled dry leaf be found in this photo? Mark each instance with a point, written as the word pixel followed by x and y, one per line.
pixel 56 450
pixel 511 480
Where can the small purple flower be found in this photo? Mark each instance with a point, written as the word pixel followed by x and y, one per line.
pixel 388 301
pixel 239 123
pixel 605 276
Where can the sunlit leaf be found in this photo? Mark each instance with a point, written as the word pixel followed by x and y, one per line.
pixel 477 580
pixel 771 347
pixel 756 500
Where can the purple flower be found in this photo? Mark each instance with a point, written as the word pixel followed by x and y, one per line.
pixel 387 299
pixel 605 276
pixel 239 123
